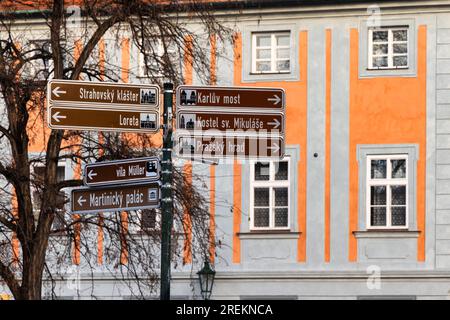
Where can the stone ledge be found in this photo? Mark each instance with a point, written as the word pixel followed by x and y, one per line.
pixel 269 235
pixel 387 234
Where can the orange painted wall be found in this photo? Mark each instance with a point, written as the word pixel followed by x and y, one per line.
pixel 388 111
pixel 187 222
pixel 187 169
pixel 296 124
pixel 212 169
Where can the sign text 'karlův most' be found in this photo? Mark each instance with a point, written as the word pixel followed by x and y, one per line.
pixel 124 198
pixel 138 170
pixel 230 97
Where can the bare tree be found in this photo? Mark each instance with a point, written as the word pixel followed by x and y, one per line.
pixel 160 31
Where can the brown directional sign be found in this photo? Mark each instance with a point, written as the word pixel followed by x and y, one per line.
pixel 94 93
pixel 137 170
pixel 222 147
pixel 224 122
pixel 84 200
pixel 65 117
pixel 230 97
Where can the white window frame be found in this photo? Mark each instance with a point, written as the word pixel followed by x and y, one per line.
pixel 160 52
pixel 273 52
pixel 157 226
pixel 271 184
pixel 388 181
pixel 390 43
pixel 61 164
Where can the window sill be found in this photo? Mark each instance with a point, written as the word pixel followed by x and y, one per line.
pixel 383 233
pixel 150 77
pixel 386 69
pixel 268 73
pixel 269 234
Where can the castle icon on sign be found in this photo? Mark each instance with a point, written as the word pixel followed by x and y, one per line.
pixel 188 96
pixel 148 121
pixel 188 121
pixel 148 96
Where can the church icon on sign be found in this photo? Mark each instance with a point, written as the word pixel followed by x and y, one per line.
pixel 148 121
pixel 148 96
pixel 188 96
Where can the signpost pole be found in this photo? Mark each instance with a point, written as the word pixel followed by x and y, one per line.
pixel 166 193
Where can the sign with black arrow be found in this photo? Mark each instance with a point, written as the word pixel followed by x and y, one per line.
pixel 137 170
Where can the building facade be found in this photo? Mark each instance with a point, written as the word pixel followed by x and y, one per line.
pixel 360 206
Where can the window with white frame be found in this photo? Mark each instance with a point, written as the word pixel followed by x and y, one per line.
pixel 269 195
pixel 153 62
pixel 387 192
pixel 150 219
pixel 388 48
pixel 39 172
pixel 271 52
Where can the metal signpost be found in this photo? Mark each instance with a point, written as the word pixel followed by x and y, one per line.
pixel 212 122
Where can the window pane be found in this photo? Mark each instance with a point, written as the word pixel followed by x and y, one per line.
pixel 400 61
pixel 400 48
pixel 59 222
pixel 262 171
pixel 148 219
pixel 261 217
pixel 378 195
pixel 377 216
pixel 262 66
pixel 263 41
pixel 61 173
pixel 281 170
pixel 379 36
pixel 398 195
pixel 262 53
pixel 281 217
pixel 283 65
pixel 261 197
pixel 39 172
pixel 380 62
pixel 398 168
pixel 283 53
pixel 378 169
pixel 398 216
pixel 281 197
pixel 61 200
pixel 283 40
pixel 379 49
pixel 400 35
